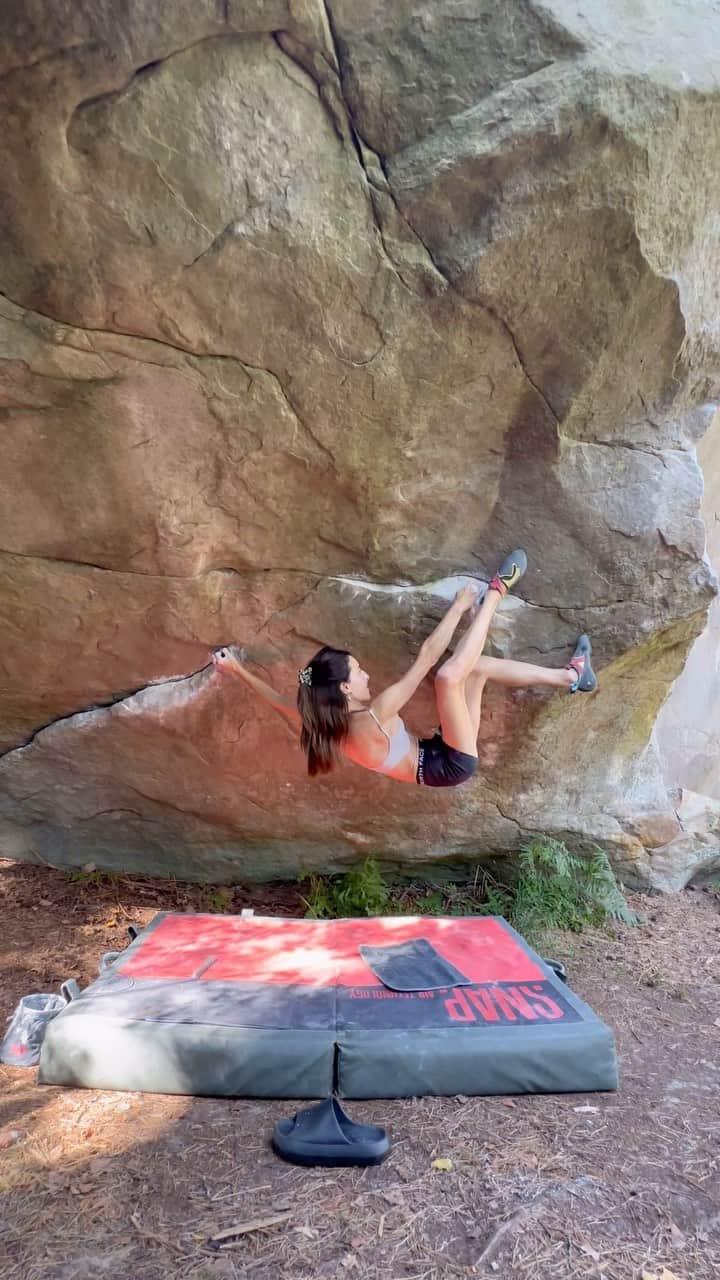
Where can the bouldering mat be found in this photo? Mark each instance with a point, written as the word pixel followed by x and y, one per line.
pixel 270 1007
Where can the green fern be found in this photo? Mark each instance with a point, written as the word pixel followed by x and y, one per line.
pixel 363 891
pixel 557 889
pixel 320 900
pixel 605 890
pixel 360 892
pixel 554 889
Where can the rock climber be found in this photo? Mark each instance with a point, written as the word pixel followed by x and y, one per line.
pixel 338 716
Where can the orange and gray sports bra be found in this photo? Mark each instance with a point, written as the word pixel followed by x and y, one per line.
pixel 398 746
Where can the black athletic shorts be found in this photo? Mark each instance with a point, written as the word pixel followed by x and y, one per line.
pixel 442 766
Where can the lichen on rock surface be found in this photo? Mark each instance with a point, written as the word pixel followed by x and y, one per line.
pixel 307 310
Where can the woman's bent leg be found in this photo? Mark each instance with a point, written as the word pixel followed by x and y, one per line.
pixel 523 675
pixel 474 689
pixel 456 725
pixel 470 646
pixel 459 729
pixel 513 675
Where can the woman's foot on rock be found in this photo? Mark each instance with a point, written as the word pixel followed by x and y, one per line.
pixel 585 680
pixel 510 572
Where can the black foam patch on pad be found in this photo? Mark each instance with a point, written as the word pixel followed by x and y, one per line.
pixel 412 966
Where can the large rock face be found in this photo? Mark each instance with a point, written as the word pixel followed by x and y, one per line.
pixel 307 310
pixel 687 733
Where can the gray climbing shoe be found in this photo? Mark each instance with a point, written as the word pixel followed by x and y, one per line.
pixel 510 572
pixel 580 663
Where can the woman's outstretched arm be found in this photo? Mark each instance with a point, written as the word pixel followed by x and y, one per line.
pixel 393 699
pixel 229 659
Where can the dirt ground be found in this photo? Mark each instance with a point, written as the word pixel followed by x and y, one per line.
pixel 623 1186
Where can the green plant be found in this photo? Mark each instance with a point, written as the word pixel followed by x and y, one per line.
pixel 363 891
pixel 496 903
pixel 605 890
pixel 554 889
pixel 320 899
pixel 218 898
pixel 90 877
pixel 360 892
pixel 448 900
pixel 427 904
pixel 558 889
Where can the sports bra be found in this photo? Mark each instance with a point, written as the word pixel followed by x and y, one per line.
pixel 398 746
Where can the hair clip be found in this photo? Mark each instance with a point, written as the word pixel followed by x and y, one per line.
pixel 305 676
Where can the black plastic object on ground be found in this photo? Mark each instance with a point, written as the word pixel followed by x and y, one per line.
pixel 325 1135
pixel 23 1040
pixel 412 966
pixel 557 967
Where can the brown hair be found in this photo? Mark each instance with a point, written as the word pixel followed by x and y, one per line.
pixel 323 708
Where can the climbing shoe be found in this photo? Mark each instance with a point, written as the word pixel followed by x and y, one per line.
pixel 580 663
pixel 510 572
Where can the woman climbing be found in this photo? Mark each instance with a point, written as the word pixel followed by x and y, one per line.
pixel 338 716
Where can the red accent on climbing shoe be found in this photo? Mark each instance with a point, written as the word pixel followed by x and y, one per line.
pixel 497 584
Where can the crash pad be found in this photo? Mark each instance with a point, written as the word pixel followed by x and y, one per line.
pixel 273 1007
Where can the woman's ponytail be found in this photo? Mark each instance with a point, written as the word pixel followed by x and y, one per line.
pixel 323 708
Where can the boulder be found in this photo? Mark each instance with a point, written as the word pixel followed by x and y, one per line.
pixel 310 312
pixel 687 732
